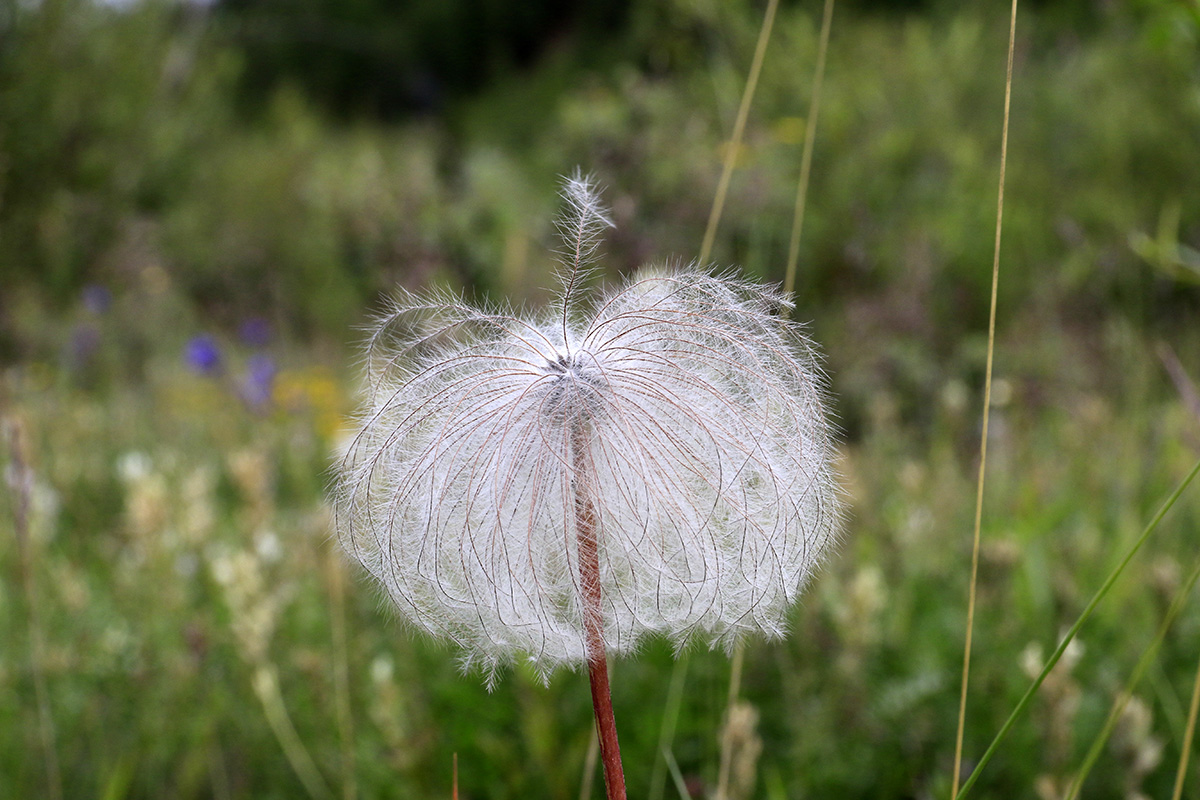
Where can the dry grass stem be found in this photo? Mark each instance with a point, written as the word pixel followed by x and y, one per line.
pixel 341 680
pixel 1189 733
pixel 739 127
pixel 20 479
pixel 987 401
pixel 810 136
pixel 728 741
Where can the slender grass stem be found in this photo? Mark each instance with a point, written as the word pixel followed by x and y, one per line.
pixel 345 718
pixel 739 127
pixel 1083 617
pixel 1177 604
pixel 20 485
pixel 735 686
pixel 666 734
pixel 266 686
pixel 589 767
pixel 987 402
pixel 810 135
pixel 1181 773
pixel 676 775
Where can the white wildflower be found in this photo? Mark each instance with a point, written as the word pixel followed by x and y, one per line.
pixel 680 415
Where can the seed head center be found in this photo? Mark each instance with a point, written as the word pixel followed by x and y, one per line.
pixel 574 386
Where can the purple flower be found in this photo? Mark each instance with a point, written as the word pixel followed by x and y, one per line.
pixel 96 298
pixel 203 354
pixel 258 381
pixel 255 332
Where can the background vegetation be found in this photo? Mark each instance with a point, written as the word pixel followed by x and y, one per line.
pixel 199 205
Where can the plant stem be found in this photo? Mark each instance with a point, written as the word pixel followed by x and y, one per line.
pixel 593 626
pixel 987 404
pixel 739 127
pixel 1066 640
pixel 1181 774
pixel 810 135
pixel 1135 678
pixel 735 685
pixel 606 728
pixel 341 680
pixel 19 481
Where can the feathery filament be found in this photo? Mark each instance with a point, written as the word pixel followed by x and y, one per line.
pixel 680 415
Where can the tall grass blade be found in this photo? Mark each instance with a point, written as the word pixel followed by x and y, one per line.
pixel 810 135
pixel 735 687
pixel 20 480
pixel 987 402
pixel 666 734
pixel 1181 774
pixel 341 680
pixel 676 775
pixel 1139 671
pixel 589 766
pixel 1070 635
pixel 266 686
pixel 739 127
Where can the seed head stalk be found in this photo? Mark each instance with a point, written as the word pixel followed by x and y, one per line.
pixel 593 619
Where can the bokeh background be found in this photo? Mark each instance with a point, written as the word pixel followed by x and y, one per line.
pixel 202 204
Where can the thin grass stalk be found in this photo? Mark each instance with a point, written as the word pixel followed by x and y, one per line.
pixel 666 734
pixel 735 687
pixel 793 251
pixel 593 624
pixel 266 686
pixel 1023 703
pixel 341 681
pixel 20 485
pixel 1126 694
pixel 589 766
pixel 710 233
pixel 739 127
pixel 987 402
pixel 1181 773
pixel 810 135
pixel 454 779
pixel 218 776
pixel 676 775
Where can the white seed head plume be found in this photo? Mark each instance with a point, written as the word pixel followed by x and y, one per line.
pixel 581 228
pixel 680 414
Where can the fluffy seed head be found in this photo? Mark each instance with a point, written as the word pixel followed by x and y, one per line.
pixel 681 406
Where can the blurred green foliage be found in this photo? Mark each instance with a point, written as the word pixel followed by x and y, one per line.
pixel 385 60
pixel 119 132
pixel 152 152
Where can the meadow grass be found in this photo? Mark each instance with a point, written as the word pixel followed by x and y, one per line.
pixel 153 691
pixel 178 549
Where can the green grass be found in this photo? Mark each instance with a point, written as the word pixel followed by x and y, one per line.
pixel 139 491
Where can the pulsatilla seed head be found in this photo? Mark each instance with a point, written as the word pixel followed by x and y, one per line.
pixel 681 409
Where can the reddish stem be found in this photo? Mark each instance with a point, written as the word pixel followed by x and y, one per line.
pixel 593 626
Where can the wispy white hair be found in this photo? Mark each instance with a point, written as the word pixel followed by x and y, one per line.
pixel 682 407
